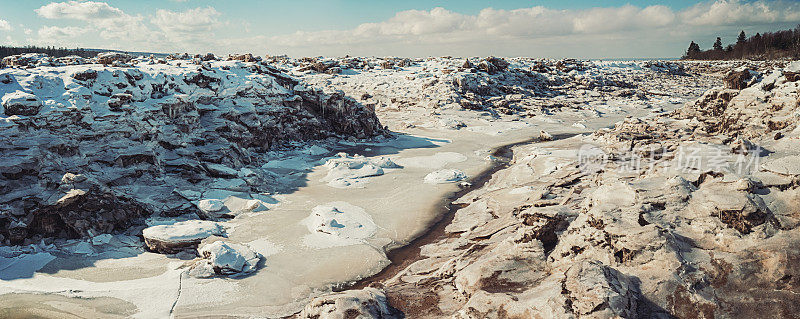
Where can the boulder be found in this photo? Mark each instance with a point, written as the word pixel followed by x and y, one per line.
pixel 23 60
pixel 108 58
pixel 362 304
pixel 210 205
pixel 737 80
pixel 118 100
pixel 180 236
pixel 598 291
pixel 81 213
pixel 247 57
pixel 225 259
pixel 21 103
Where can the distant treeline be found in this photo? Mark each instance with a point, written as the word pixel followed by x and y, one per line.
pixel 51 51
pixel 770 45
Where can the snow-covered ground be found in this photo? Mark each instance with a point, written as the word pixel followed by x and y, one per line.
pixel 331 207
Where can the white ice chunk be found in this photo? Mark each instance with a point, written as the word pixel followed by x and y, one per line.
pixel 445 176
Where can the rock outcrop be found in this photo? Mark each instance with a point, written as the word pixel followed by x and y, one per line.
pixel 519 86
pixel 678 215
pixel 145 134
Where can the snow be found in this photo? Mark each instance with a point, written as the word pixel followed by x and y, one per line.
pixel 444 176
pixel 337 224
pixel 438 160
pixel 339 234
pixel 229 258
pixel 20 98
pixel 350 171
pixel 264 247
pixel 185 231
pixel 210 205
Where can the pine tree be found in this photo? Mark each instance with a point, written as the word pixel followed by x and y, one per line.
pixel 693 51
pixel 742 38
pixel 718 44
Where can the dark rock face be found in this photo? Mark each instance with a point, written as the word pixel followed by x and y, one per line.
pixel 140 134
pixel 83 214
pixel 737 80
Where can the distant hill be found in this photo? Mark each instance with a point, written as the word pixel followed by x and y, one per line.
pixel 770 45
pixel 61 52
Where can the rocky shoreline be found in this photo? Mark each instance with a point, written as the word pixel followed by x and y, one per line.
pixel 619 224
pixel 651 188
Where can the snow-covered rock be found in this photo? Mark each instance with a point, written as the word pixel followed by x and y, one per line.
pixel 350 171
pixel 21 103
pixel 223 258
pixel 172 238
pixel 210 205
pixel 139 132
pixel 112 57
pixel 362 304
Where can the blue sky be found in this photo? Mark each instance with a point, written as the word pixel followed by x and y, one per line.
pixel 583 29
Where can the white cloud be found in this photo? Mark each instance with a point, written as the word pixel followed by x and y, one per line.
pixel 190 23
pixel 735 12
pixel 109 22
pixel 79 10
pixel 626 30
pixel 530 30
pixel 4 25
pixel 601 20
pixel 440 24
pixel 53 33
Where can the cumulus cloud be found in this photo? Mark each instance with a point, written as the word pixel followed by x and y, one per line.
pixel 160 30
pixel 537 30
pixel 539 26
pixel 79 10
pixel 109 22
pixel 53 33
pixel 4 25
pixel 192 22
pixel 735 12
pixel 440 24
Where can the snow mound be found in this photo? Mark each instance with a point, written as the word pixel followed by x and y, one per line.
pixel 349 171
pixel 338 224
pixel 223 258
pixel 444 176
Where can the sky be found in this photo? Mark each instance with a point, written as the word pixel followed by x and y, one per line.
pixel 416 28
